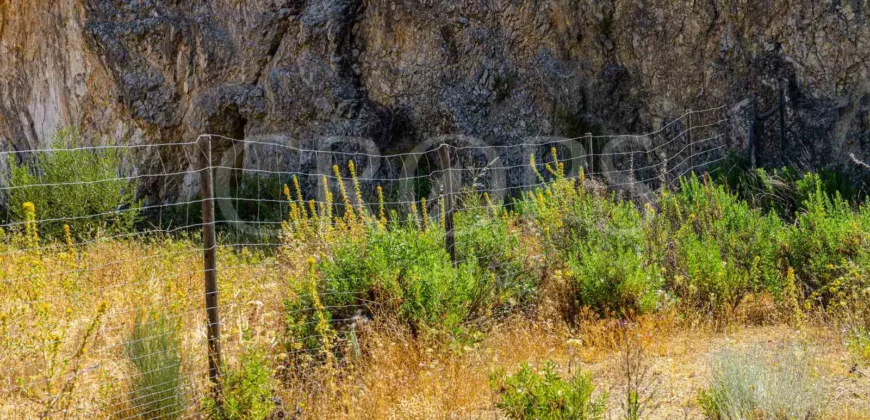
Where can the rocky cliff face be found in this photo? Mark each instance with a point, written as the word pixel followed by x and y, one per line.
pixel 399 71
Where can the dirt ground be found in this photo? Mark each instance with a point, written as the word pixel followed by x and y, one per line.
pixel 401 380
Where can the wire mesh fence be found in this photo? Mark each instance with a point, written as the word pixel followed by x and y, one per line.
pixel 105 258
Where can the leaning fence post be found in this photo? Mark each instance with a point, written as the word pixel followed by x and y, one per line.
pixel 210 260
pixel 447 176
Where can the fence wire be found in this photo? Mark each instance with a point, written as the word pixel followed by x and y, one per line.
pixel 103 310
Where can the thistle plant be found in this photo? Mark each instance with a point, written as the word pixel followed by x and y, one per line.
pixel 791 297
pixel 558 168
pixel 300 201
pixel 443 212
pixel 309 331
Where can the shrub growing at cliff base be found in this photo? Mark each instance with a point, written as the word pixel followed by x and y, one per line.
pixel 83 188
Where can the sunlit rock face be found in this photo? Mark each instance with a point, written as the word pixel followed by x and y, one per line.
pixel 400 72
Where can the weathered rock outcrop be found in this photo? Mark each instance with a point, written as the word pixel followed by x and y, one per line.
pixel 398 71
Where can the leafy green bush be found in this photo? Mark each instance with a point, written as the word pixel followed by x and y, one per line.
pixel 529 395
pixel 748 385
pixel 610 262
pixel 616 280
pixel 701 245
pixel 599 240
pixel 247 390
pixel 249 210
pixel 83 188
pixel 386 265
pixel 408 271
pixel 826 236
pixel 705 278
pixel 714 246
pixel 486 237
pixel 156 389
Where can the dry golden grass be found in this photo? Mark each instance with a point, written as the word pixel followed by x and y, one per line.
pixel 51 366
pixel 48 301
pixel 401 378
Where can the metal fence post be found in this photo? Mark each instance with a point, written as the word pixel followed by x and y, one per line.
pixel 590 153
pixel 753 127
pixel 782 121
pixel 450 240
pixel 210 260
pixel 691 144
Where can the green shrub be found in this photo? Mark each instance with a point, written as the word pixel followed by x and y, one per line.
pixel 702 245
pixel 408 271
pixel 826 236
pixel 704 278
pixel 749 386
pixel 714 246
pixel 156 387
pixel 616 280
pixel 544 396
pixel 392 266
pixel 249 210
pixel 600 240
pixel 247 390
pixel 252 208
pixel 484 235
pixel 99 198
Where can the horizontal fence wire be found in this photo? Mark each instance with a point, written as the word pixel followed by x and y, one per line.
pixel 101 255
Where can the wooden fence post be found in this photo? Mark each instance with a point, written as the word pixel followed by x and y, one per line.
pixel 447 177
pixel 210 260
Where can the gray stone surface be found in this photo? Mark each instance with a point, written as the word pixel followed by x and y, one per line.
pixel 401 71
